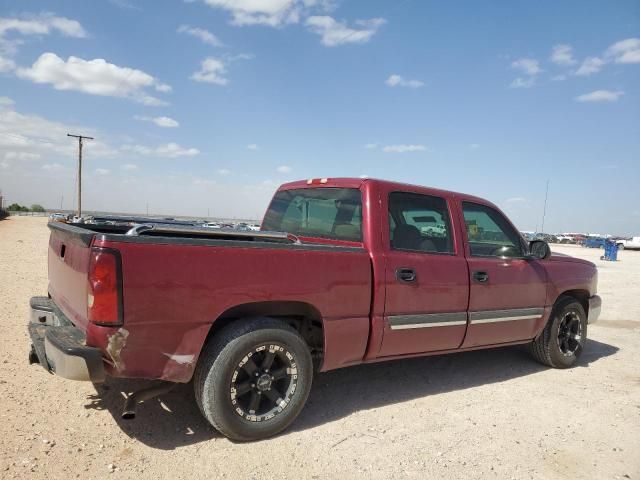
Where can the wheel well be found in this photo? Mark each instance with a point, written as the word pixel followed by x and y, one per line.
pixel 581 295
pixel 305 318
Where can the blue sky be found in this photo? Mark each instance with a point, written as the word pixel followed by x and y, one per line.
pixel 210 104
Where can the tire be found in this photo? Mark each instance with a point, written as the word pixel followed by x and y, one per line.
pixel 561 342
pixel 620 246
pixel 226 384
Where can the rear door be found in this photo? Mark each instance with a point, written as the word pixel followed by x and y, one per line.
pixel 508 291
pixel 426 277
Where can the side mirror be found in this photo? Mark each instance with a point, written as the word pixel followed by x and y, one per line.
pixel 539 249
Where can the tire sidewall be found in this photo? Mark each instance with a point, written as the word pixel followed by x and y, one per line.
pixel 218 383
pixel 563 309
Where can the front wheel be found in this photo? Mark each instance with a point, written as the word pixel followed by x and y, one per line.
pixel 561 342
pixel 253 378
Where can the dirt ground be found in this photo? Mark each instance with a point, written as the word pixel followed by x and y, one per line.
pixel 486 414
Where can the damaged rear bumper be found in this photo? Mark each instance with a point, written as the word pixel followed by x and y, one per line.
pixel 59 346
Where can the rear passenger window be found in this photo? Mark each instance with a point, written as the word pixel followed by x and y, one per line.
pixel 419 223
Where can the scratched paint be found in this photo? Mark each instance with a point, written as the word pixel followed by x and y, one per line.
pixel 116 344
pixel 180 359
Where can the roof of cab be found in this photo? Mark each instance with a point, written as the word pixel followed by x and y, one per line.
pixel 351 182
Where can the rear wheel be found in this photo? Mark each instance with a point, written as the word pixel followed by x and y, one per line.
pixel 561 342
pixel 253 378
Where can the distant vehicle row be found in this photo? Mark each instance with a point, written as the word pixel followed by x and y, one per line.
pixel 589 241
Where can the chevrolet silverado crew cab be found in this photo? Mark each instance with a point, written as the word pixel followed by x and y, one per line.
pixel 343 272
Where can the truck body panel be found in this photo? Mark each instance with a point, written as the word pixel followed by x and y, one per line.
pixel 175 288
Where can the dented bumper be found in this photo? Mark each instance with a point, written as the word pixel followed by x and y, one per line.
pixel 59 346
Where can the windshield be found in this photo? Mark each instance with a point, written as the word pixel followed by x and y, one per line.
pixel 334 213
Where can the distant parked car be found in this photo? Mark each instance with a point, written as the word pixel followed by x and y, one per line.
pixel 594 242
pixel 58 217
pixel 631 244
pixel 565 239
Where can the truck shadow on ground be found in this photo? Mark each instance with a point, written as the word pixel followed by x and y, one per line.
pixel 173 420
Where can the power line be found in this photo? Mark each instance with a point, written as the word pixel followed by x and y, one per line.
pixel 80 138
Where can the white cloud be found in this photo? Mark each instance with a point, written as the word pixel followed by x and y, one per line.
pixel 96 77
pixel 167 150
pixel 600 96
pixel 211 70
pixel 272 13
pixel 398 81
pixel 102 171
pixel 224 171
pixel 129 167
pixel 403 148
pixel 165 122
pixel 521 82
pixel 253 146
pixel 590 65
pixel 6 101
pixel 43 24
pixel 563 55
pixel 334 33
pixel 528 66
pixel 625 51
pixel 6 64
pixel 54 167
pixel 22 156
pixel 284 169
pixel 370 146
pixel 25 137
pixel 203 182
pixel 205 36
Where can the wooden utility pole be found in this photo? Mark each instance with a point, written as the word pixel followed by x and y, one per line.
pixel 80 138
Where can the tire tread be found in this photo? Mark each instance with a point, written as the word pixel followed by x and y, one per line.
pixel 216 356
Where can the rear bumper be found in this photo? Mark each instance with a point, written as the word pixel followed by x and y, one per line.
pixel 595 305
pixel 59 346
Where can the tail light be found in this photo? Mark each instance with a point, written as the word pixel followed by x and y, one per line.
pixel 104 298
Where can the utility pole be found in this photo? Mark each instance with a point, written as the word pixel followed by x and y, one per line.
pixel 544 211
pixel 80 138
pixel 61 200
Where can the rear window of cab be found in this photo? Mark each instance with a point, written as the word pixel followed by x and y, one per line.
pixel 326 212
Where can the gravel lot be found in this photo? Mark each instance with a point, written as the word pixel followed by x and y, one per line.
pixel 487 414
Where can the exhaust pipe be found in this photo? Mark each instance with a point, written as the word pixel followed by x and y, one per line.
pixel 132 401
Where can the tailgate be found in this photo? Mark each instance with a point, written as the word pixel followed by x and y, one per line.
pixel 68 258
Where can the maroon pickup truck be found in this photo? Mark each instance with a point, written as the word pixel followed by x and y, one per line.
pixel 344 271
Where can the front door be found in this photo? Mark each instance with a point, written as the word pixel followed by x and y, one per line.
pixel 426 277
pixel 508 291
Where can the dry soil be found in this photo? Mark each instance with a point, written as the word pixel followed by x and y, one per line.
pixel 486 414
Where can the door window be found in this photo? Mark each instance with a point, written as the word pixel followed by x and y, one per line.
pixel 419 223
pixel 489 233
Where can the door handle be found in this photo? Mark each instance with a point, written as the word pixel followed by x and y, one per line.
pixel 481 277
pixel 406 275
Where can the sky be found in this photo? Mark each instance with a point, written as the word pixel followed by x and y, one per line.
pixel 205 106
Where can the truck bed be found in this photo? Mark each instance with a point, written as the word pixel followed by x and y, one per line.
pixel 178 281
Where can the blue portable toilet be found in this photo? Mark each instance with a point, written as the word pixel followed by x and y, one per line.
pixel 610 251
